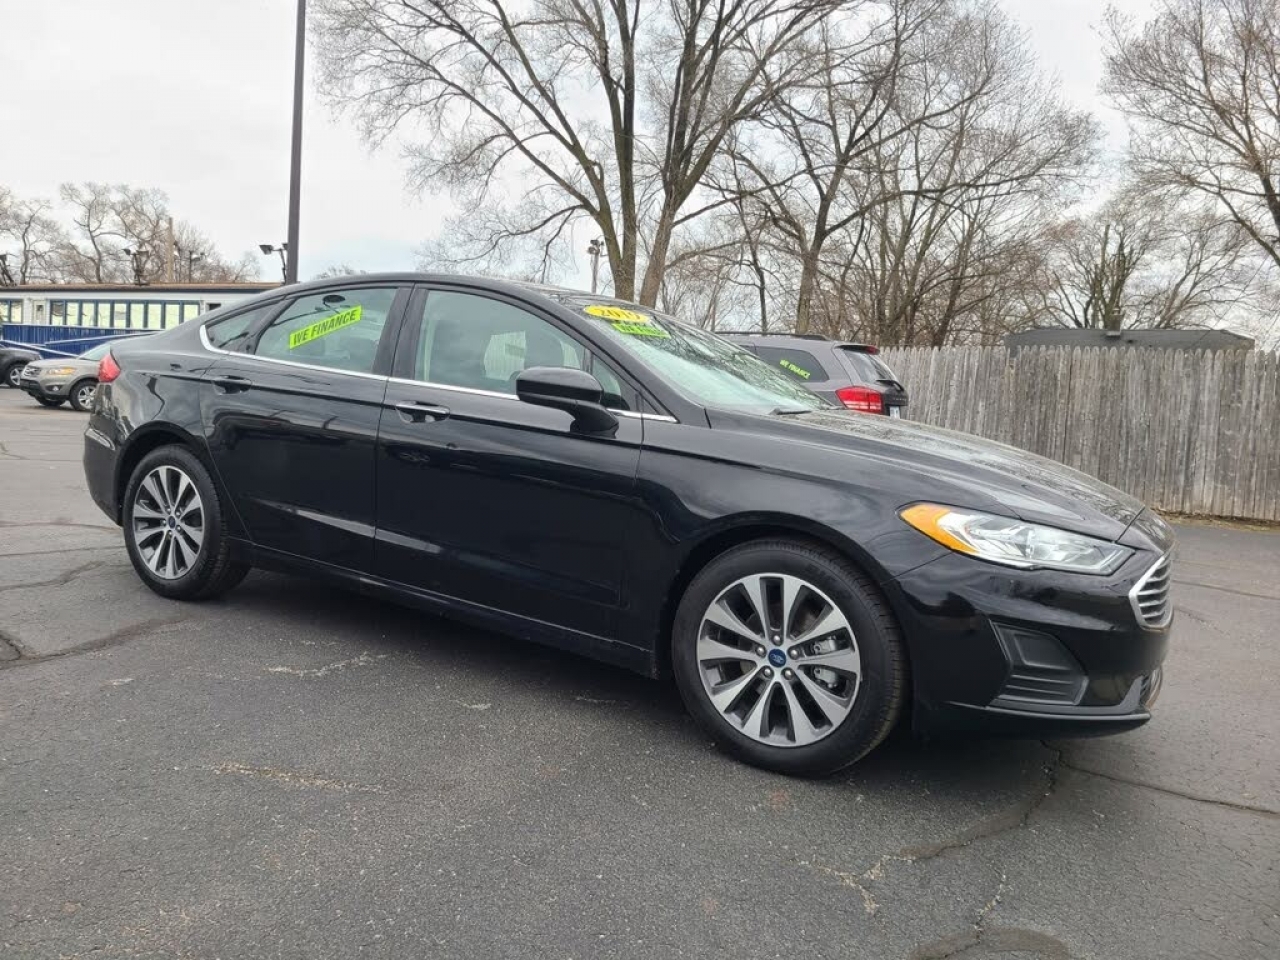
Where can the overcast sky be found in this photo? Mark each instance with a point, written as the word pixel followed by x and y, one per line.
pixel 193 97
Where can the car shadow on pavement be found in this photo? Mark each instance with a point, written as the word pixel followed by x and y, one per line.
pixel 952 767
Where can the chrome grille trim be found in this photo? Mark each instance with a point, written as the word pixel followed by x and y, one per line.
pixel 1150 596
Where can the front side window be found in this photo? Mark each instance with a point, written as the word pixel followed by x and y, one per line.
pixel 338 329
pixel 483 344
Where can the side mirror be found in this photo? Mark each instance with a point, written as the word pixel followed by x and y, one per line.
pixel 575 391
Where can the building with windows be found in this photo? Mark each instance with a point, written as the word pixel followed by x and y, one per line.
pixel 64 315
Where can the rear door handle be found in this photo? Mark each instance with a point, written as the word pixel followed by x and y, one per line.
pixel 411 411
pixel 232 384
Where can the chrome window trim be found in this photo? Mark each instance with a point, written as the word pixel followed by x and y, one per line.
pixel 204 340
pixel 1165 564
pixel 633 414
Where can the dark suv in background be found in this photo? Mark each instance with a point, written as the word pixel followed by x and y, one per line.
pixel 850 374
pixel 12 360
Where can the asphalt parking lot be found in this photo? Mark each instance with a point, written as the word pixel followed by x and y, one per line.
pixel 294 771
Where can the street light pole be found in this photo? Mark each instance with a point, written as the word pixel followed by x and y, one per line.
pixel 295 162
pixel 594 249
pixel 269 249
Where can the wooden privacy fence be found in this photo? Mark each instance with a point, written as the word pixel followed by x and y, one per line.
pixel 1186 431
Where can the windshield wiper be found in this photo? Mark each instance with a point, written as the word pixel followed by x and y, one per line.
pixel 788 411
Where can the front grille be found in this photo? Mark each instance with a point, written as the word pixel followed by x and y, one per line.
pixel 1150 595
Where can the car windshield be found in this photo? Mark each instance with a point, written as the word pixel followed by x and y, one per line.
pixel 96 353
pixel 702 366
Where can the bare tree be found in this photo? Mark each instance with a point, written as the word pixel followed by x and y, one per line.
pixel 1145 261
pixel 94 251
pixel 108 219
pixel 337 270
pixel 942 255
pixel 36 235
pixel 577 108
pixel 803 166
pixel 1200 86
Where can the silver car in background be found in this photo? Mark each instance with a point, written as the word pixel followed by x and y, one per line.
pixel 64 379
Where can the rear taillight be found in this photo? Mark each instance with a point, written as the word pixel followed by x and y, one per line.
pixel 108 369
pixel 862 399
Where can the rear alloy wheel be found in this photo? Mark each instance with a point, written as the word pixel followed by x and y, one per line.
pixel 82 395
pixel 786 654
pixel 13 375
pixel 174 528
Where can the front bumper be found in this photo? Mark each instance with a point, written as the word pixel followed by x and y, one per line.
pixel 1028 653
pixel 46 389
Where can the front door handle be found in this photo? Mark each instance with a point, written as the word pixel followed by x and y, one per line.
pixel 232 384
pixel 411 411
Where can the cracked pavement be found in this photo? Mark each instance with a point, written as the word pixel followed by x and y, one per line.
pixel 294 771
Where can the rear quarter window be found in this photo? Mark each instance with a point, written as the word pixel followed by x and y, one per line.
pixel 230 333
pixel 798 364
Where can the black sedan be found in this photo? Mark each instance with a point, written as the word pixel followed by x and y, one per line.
pixel 594 475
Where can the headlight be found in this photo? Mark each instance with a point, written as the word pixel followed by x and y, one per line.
pixel 58 371
pixel 1014 543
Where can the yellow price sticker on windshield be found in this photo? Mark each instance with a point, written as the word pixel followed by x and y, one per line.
pixel 322 328
pixel 606 312
pixel 626 321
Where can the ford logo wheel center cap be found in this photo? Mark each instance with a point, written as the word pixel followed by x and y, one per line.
pixel 778 657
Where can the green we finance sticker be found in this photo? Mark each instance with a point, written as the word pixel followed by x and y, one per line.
pixel 630 322
pixel 322 328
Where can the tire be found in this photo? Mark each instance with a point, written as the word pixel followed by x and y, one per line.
pixel 180 550
pixel 81 395
pixel 854 662
pixel 12 375
pixel 46 402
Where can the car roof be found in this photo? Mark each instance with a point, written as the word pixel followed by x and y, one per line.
pixel 802 340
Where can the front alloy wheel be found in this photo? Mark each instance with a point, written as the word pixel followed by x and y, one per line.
pixel 778 659
pixel 789 657
pixel 14 376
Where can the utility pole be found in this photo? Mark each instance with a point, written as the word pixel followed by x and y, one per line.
pixel 295 162
pixel 595 248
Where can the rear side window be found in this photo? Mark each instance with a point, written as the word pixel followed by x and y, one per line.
pixel 800 364
pixel 338 329
pixel 868 367
pixel 229 333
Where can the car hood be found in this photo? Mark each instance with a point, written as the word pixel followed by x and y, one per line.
pixel 973 472
pixel 80 366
